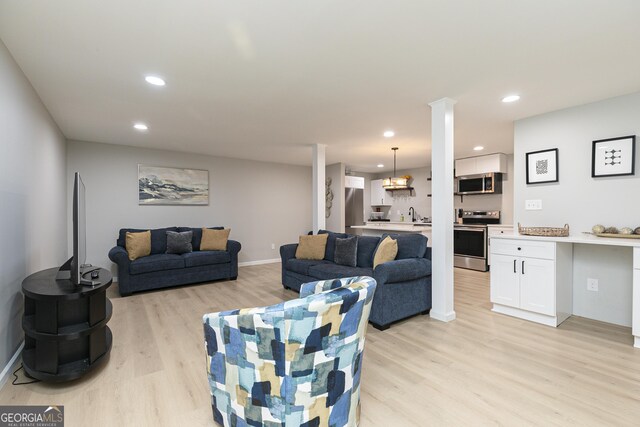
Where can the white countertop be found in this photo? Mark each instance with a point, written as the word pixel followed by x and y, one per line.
pixel 500 225
pixel 395 226
pixel 585 238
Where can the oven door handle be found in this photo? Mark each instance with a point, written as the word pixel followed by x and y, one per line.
pixel 478 230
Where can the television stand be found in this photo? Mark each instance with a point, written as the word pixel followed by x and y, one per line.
pixel 65 326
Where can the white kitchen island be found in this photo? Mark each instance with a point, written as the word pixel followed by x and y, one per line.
pixel 532 276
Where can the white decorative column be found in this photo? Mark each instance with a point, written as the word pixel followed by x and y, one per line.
pixel 442 209
pixel 318 191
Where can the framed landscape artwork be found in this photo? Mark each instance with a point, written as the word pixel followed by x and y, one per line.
pixel 542 166
pixel 172 186
pixel 613 156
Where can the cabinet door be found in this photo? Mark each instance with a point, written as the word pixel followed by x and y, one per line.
pixel 491 163
pixel 505 288
pixel 537 285
pixel 378 194
pixel 465 166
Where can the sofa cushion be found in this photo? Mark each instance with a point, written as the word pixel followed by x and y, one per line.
pixel 311 247
pixel 158 238
pixel 301 266
pixel 346 251
pixel 366 248
pixel 386 251
pixel 214 240
pixel 138 245
pixel 179 242
pixel 157 262
pixel 195 259
pixel 409 245
pixel 333 271
pixel 329 251
pixel 197 235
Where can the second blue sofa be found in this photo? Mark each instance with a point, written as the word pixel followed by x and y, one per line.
pixel 404 285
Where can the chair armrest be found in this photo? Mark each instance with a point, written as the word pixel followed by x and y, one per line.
pixel 233 246
pixel 402 270
pixel 119 255
pixel 325 285
pixel 288 251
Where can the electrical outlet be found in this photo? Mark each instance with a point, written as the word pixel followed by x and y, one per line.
pixel 592 285
pixel 273 246
pixel 533 205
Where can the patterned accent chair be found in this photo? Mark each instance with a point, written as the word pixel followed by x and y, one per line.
pixel 297 363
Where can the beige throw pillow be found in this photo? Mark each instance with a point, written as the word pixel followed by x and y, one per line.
pixel 214 240
pixel 312 247
pixel 138 244
pixel 387 251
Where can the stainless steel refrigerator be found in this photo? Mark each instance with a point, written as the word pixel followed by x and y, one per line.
pixel 353 209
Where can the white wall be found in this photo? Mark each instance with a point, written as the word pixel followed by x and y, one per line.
pixel 32 196
pixel 262 203
pixel 582 201
pixel 336 220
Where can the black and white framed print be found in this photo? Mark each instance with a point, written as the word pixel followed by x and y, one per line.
pixel 613 156
pixel 542 166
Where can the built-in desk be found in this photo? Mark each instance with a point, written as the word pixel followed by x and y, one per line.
pixel 532 278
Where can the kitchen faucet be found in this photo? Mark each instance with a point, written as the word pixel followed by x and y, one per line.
pixel 412 211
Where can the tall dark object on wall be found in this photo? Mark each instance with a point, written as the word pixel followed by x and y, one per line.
pixel 74 269
pixel 613 157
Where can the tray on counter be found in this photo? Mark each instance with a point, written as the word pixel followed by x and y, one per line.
pixel 618 236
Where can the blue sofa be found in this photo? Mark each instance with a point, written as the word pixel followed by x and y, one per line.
pixel 404 285
pixel 160 270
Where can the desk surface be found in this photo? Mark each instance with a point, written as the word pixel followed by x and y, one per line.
pixel 588 239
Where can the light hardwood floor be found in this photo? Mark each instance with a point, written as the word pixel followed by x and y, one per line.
pixel 482 369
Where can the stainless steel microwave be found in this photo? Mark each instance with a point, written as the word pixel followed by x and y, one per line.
pixel 486 183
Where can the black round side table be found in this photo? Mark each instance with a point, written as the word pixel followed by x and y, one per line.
pixel 65 326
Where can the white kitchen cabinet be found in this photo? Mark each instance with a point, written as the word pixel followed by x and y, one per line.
pixel 353 181
pixel 497 230
pixel 532 280
pixel 481 164
pixel 635 317
pixel 379 196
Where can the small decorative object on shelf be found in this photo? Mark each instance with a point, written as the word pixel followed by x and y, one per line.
pixel 544 231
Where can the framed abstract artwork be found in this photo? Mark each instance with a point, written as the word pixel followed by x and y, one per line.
pixel 542 166
pixel 613 156
pixel 172 186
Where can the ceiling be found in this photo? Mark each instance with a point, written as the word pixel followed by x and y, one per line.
pixel 265 80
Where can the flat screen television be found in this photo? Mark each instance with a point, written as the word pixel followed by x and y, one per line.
pixel 75 268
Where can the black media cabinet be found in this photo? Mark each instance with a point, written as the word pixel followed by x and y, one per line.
pixel 65 326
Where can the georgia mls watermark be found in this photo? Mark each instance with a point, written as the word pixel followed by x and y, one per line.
pixel 31 416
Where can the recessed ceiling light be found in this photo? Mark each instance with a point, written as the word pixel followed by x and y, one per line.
pixel 389 134
pixel 380 165
pixel 141 126
pixel 154 80
pixel 478 148
pixel 511 98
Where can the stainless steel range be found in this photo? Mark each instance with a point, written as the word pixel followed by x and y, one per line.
pixel 470 239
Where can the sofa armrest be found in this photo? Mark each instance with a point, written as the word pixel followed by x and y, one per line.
pixel 402 270
pixel 427 253
pixel 119 255
pixel 326 285
pixel 288 251
pixel 233 246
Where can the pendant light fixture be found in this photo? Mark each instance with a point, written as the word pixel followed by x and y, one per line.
pixel 395 182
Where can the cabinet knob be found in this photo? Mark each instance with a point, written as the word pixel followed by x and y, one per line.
pixel 519 249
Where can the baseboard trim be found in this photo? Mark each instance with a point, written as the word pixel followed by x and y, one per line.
pixel 259 262
pixel 443 317
pixel 4 376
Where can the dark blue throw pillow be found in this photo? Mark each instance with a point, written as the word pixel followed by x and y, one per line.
pixel 346 251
